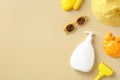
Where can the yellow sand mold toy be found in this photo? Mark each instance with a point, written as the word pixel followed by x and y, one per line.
pixel 111 45
pixel 71 4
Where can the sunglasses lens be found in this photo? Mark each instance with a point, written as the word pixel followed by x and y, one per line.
pixel 81 20
pixel 70 27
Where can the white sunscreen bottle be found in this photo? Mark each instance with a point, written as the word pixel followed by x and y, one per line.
pixel 83 56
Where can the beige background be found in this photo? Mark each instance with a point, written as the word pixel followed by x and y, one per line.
pixel 33 45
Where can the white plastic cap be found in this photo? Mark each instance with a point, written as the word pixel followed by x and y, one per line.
pixel 89 37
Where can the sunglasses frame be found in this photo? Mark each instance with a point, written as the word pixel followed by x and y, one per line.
pixel 69 27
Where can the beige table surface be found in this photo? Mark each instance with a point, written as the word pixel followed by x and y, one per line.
pixel 33 45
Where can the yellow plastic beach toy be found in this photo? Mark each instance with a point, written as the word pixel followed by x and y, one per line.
pixel 104 70
pixel 71 4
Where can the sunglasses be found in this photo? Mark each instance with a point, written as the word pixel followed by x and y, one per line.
pixel 70 28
